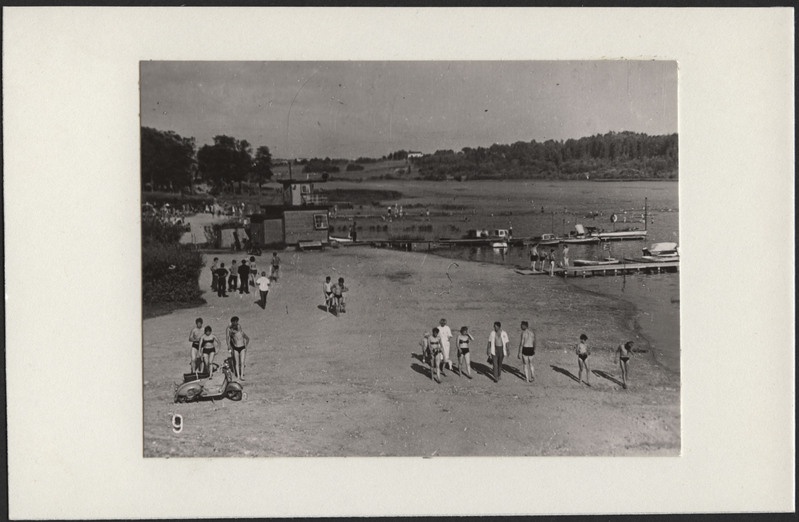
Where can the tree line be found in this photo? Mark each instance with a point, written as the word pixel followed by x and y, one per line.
pixel 172 162
pixel 625 155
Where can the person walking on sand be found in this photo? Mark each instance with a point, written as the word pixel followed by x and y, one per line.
pixel 214 267
pixel 238 349
pixel 463 351
pixel 327 292
pixel 497 349
pixel 338 295
pixel 194 338
pixel 446 335
pixel 434 345
pixel 221 274
pixel 233 278
pixel 526 351
pixel 263 288
pixel 623 353
pixel 208 345
pixel 583 352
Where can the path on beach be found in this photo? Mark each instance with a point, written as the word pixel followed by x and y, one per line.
pixel 320 385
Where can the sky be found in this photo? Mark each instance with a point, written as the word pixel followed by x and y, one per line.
pixel 352 109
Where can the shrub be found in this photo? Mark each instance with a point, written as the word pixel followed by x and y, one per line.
pixel 170 274
pixel 155 230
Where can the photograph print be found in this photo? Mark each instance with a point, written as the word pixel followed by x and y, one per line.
pixel 410 258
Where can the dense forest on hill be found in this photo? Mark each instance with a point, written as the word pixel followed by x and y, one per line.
pixel 623 155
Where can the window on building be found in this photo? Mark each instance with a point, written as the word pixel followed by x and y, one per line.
pixel 305 189
pixel 320 221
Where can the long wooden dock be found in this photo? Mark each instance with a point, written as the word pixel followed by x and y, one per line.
pixel 605 270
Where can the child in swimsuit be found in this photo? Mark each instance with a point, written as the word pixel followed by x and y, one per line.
pixel 463 351
pixel 194 338
pixel 434 343
pixel 327 290
pixel 208 346
pixel 582 359
pixel 526 351
pixel 623 354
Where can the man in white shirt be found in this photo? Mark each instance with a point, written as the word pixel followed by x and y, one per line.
pixel 446 335
pixel 497 348
pixel 263 288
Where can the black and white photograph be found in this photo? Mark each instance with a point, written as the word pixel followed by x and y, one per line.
pixel 328 262
pixel 346 258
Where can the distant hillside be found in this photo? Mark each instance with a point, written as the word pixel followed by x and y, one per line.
pixel 624 155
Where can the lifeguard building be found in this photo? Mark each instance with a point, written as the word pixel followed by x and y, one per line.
pixel 302 219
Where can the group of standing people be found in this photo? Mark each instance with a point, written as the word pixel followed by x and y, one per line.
pixel 436 351
pixel 540 260
pixel 204 345
pixel 243 275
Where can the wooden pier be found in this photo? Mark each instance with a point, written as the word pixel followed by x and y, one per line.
pixel 610 270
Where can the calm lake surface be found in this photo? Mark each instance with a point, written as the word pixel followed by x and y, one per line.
pixel 487 205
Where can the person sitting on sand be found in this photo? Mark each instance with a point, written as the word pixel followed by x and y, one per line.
pixel 208 345
pixel 526 351
pixel 327 292
pixel 194 338
pixel 434 344
pixel 623 353
pixel 583 352
pixel 463 352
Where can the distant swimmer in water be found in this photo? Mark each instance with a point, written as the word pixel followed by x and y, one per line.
pixel 583 352
pixel 623 353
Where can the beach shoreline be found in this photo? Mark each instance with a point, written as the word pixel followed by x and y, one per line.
pixel 354 385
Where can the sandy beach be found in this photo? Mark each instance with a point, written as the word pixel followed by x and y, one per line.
pixel 354 385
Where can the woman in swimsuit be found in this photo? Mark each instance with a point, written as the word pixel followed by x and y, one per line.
pixel 208 345
pixel 463 351
pixel 526 351
pixel 623 354
pixel 582 359
pixel 434 342
pixel 194 338
pixel 238 344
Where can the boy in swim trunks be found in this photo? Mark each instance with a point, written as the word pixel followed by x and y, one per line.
pixel 582 359
pixel 623 354
pixel 463 351
pixel 194 339
pixel 434 344
pixel 327 291
pixel 526 351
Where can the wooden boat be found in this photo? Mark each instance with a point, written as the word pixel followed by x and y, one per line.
pixel 548 239
pixel 595 262
pixel 622 235
pixel 662 250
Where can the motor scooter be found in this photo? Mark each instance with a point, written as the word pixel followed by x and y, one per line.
pixel 204 386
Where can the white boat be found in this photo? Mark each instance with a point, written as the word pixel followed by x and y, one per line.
pixel 499 244
pixel 621 235
pixel 662 250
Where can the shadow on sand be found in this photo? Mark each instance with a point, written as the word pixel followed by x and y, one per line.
pixel 567 373
pixel 484 370
pixel 514 371
pixel 608 377
pixel 423 370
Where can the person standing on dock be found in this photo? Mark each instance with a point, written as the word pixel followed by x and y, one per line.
pixel 497 349
pixel 354 232
pixel 551 258
pixel 565 255
pixel 534 257
pixel 583 352
pixel 623 354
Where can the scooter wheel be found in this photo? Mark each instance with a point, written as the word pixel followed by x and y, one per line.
pixel 234 395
